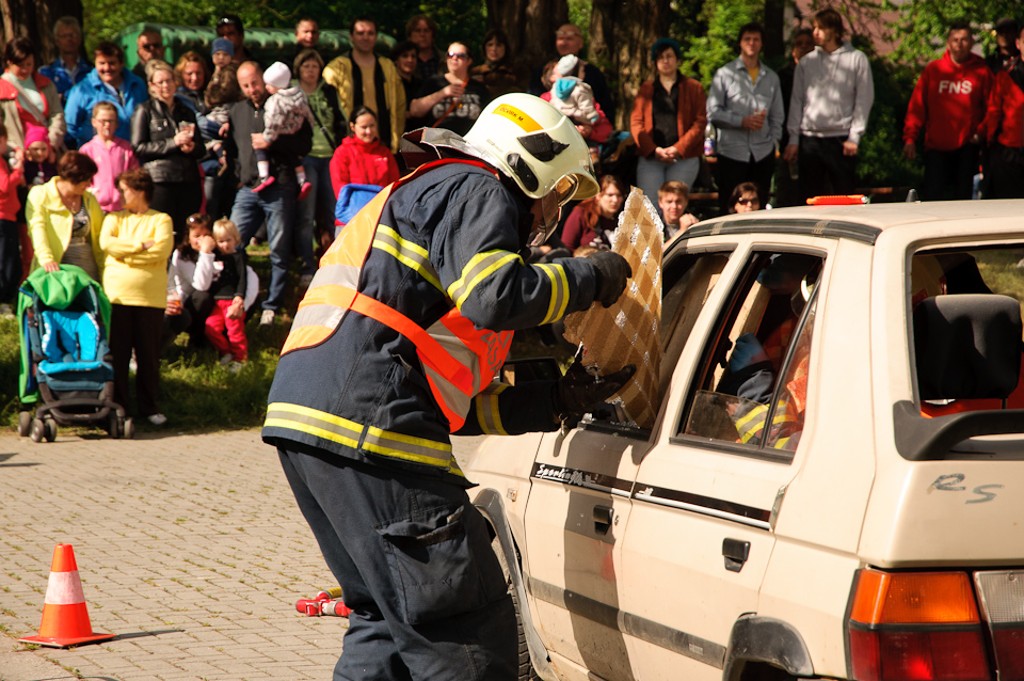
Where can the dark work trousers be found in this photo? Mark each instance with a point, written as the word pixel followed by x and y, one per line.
pixel 413 557
pixel 949 175
pixel 10 261
pixel 133 327
pixel 1005 172
pixel 179 200
pixel 732 172
pixel 823 168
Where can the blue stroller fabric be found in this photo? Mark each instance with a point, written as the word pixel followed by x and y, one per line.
pixel 63 317
pixel 351 199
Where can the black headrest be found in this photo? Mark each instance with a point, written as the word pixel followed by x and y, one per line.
pixel 968 346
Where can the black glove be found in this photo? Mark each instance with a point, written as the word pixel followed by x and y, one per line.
pixel 579 390
pixel 612 272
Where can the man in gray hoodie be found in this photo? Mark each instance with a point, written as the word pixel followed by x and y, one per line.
pixel 828 113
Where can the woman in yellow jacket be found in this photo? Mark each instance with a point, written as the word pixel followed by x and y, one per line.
pixel 64 218
pixel 137 242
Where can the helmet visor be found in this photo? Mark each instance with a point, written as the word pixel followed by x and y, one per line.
pixel 549 207
pixel 564 189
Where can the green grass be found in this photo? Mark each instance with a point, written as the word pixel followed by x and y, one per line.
pixel 999 269
pixel 196 392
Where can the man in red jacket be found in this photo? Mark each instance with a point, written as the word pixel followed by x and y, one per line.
pixel 1004 131
pixel 949 105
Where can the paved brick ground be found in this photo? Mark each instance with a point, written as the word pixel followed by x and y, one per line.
pixel 190 549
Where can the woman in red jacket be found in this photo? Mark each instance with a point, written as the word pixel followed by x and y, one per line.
pixel 361 166
pixel 362 158
pixel 669 116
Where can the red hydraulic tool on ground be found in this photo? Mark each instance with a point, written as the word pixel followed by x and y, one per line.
pixel 327 603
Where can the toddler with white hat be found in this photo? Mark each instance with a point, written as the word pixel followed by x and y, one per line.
pixel 570 95
pixel 283 114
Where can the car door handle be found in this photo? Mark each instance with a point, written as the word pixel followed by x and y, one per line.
pixel 736 553
pixel 603 516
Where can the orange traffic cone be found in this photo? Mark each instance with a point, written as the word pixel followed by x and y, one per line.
pixel 65 616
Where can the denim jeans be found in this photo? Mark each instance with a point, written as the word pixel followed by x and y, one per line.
pixel 276 205
pixel 316 212
pixel 651 174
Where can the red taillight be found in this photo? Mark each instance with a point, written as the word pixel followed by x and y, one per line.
pixel 1009 645
pixel 915 626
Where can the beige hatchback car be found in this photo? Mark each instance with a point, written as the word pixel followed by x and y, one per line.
pixel 834 485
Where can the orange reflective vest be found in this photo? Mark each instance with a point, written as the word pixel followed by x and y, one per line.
pixel 458 359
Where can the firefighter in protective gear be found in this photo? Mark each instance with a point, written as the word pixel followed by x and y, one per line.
pixel 394 347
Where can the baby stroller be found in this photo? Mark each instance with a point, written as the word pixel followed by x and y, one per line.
pixel 65 367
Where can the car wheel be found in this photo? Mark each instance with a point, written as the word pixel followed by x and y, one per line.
pixel 525 667
pixel 24 423
pixel 50 430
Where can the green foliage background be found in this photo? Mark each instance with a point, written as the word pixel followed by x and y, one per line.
pixel 705 51
pixel 457 19
pixel 919 32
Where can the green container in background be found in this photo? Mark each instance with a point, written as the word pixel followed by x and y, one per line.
pixel 267 45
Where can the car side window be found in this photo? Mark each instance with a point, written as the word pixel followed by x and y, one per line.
pixel 689 280
pixel 752 383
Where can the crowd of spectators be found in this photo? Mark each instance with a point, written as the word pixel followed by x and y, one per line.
pixel 91 150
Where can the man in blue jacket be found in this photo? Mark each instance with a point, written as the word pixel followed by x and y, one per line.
pixel 109 81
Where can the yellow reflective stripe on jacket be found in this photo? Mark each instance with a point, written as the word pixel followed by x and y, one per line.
pixel 348 433
pixel 750 424
pixel 559 292
pixel 409 253
pixel 480 266
pixel 488 412
pixel 318 314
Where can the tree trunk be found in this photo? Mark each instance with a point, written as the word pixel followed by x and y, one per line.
pixel 621 35
pixel 774 28
pixel 530 26
pixel 34 19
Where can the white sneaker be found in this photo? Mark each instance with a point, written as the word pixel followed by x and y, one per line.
pixel 267 318
pixel 227 359
pixel 7 312
pixel 235 367
pixel 157 419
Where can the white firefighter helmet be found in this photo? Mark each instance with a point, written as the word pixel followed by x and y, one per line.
pixel 531 142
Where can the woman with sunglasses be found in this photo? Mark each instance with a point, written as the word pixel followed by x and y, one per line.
pixel 452 101
pixel 745 198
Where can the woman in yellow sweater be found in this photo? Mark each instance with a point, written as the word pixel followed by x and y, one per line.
pixel 136 242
